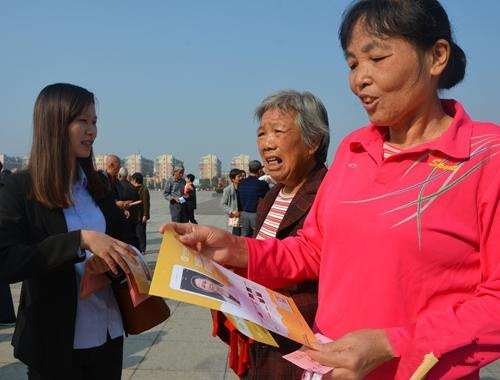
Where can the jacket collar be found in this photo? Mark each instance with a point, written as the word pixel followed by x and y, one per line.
pixel 454 142
pixel 300 204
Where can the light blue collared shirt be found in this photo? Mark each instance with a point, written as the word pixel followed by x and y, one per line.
pixel 98 313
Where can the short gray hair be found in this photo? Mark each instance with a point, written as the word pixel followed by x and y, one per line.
pixel 123 172
pixel 178 168
pixel 312 117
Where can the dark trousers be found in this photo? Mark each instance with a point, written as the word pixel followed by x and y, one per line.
pixel 247 222
pixel 178 212
pixel 97 363
pixel 236 231
pixel 140 232
pixel 7 314
pixel 190 215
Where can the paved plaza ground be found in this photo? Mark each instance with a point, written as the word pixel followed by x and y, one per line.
pixel 180 348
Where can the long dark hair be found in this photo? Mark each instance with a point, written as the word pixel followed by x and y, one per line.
pixel 420 22
pixel 50 166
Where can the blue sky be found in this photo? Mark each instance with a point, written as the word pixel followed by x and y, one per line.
pixel 184 77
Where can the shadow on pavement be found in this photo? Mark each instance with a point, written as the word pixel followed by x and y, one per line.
pixel 13 371
pixel 136 345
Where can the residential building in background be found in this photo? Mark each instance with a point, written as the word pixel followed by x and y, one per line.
pixel 100 161
pixel 136 163
pixel 164 168
pixel 240 162
pixel 12 163
pixel 210 166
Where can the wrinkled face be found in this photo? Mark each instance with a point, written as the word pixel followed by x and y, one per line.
pixel 82 132
pixel 113 166
pixel 206 285
pixel 178 174
pixel 391 80
pixel 286 156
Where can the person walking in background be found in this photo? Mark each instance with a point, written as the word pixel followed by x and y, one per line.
pixel 7 312
pixel 190 196
pixel 174 194
pixel 250 191
pixel 230 202
pixel 143 210
pixel 58 218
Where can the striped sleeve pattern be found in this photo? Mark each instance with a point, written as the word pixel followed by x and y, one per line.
pixel 275 216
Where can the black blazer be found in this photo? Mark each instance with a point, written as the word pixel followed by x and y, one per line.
pixel 36 248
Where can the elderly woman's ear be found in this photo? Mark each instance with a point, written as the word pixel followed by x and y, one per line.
pixel 313 150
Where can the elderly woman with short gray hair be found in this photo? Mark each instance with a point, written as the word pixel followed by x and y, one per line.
pixel 293 138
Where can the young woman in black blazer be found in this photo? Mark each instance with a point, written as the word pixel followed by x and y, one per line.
pixel 56 218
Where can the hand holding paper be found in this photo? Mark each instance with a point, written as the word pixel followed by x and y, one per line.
pixel 184 275
pixel 302 360
pixel 138 277
pixel 110 250
pixel 214 243
pixel 96 265
pixel 355 354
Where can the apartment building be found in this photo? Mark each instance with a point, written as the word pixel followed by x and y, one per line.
pixel 240 162
pixel 164 167
pixel 136 163
pixel 210 166
pixel 100 161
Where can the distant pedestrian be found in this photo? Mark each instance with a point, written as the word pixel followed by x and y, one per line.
pixel 230 202
pixel 267 178
pixel 128 195
pixel 250 191
pixel 113 166
pixel 111 174
pixel 174 194
pixel 143 210
pixel 190 196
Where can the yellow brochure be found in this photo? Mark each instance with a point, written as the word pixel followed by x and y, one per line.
pixel 184 275
pixel 252 330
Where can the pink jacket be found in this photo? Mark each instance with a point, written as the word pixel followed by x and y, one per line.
pixel 410 244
